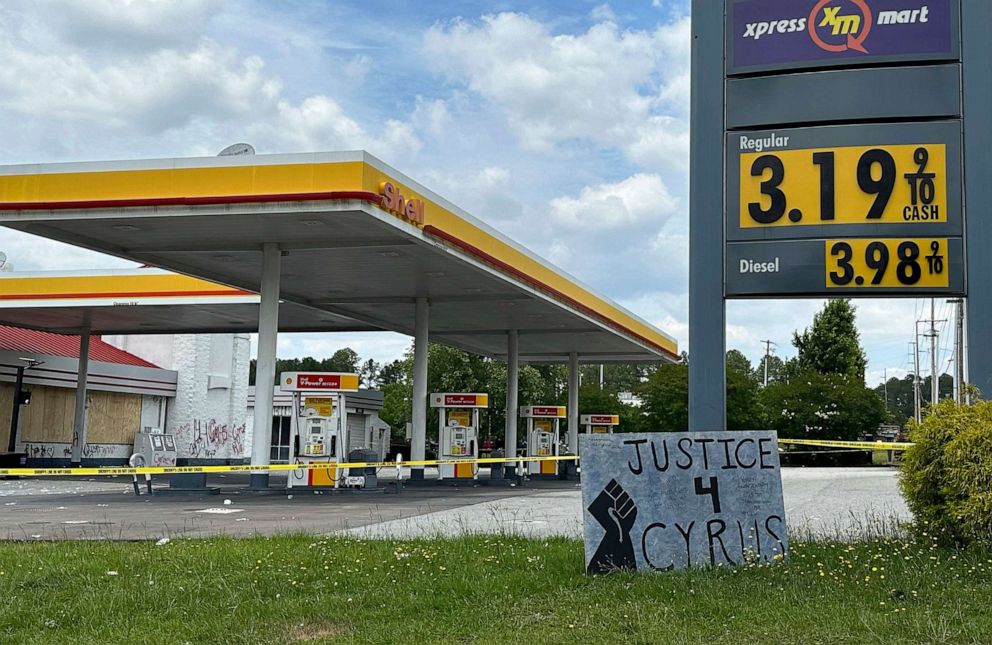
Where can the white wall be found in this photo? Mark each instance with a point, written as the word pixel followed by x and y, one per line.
pixel 208 414
pixel 155 349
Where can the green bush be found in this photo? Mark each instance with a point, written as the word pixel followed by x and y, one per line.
pixel 946 476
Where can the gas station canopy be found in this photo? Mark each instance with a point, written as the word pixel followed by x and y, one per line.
pixel 360 243
pixel 140 301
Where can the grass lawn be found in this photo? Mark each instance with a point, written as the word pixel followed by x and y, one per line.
pixel 481 590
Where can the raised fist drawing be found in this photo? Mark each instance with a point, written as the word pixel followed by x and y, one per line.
pixel 615 511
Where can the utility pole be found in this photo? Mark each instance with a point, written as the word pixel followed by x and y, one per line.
pixel 768 352
pixel 885 386
pixel 932 335
pixel 934 377
pixel 916 372
pixel 959 385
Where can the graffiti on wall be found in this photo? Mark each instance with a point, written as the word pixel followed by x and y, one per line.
pixel 208 439
pixel 56 450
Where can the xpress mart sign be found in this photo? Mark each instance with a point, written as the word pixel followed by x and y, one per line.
pixel 778 34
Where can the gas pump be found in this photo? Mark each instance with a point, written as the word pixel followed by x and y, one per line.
pixel 542 436
pixel 319 429
pixel 599 423
pixel 458 432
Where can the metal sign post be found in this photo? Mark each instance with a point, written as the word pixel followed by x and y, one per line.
pixel 843 161
pixel 707 309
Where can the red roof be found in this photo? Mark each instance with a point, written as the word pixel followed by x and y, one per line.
pixel 16 339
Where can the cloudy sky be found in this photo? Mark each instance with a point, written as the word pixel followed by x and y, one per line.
pixel 564 125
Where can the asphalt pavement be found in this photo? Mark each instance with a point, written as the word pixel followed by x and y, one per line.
pixel 835 502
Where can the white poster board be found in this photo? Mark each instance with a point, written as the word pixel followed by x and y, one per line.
pixel 674 500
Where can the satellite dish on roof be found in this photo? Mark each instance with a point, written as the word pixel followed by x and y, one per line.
pixel 237 149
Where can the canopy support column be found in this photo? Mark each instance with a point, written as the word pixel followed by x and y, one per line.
pixel 573 403
pixel 79 421
pixel 418 435
pixel 512 392
pixel 265 366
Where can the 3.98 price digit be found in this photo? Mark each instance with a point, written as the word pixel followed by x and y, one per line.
pixel 886 263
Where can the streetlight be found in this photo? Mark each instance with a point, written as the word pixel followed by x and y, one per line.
pixel 20 398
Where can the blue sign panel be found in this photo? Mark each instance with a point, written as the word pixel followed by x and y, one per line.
pixel 780 34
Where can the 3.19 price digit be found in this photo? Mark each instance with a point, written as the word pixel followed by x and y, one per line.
pixel 883 186
pixel 770 188
pixel 871 162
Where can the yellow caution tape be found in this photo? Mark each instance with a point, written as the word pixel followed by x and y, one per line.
pixel 864 445
pixel 245 468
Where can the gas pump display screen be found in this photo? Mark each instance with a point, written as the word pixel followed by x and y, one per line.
pixel 544 425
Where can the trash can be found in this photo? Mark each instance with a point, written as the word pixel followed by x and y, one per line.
pixel 568 469
pixel 366 455
pixel 496 469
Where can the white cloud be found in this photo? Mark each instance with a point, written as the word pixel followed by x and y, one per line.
pixel 320 123
pixel 661 142
pixel 191 89
pixel 603 13
pixel 382 347
pixel 116 25
pixel 30 253
pixel 610 206
pixel 163 90
pixel 602 85
pixel 431 116
pixel 358 67
pixel 487 193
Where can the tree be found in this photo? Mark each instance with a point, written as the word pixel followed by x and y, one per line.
pixel 743 406
pixel 343 360
pixel 736 360
pixel 593 400
pixel 776 368
pixel 552 382
pixel 369 374
pixel 898 395
pixel 832 344
pixel 822 394
pixel 617 377
pixel 822 406
pixel 397 409
pixel 666 397
pixel 395 372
